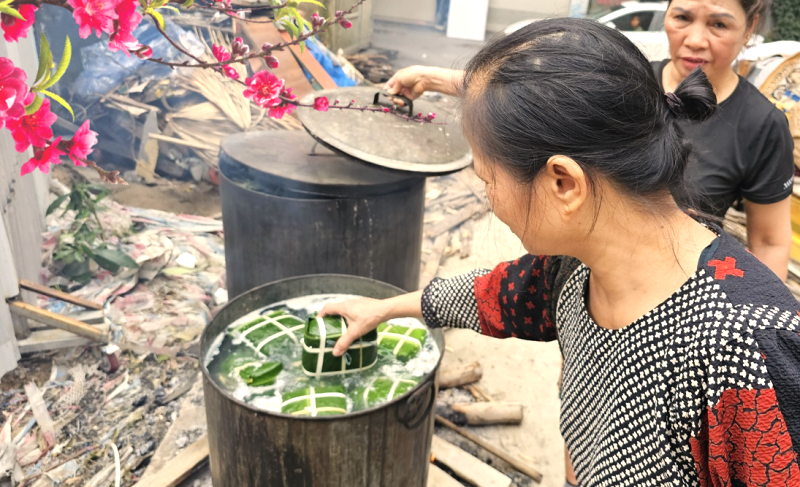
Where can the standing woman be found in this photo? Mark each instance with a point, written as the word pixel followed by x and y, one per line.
pixel 743 152
pixel 681 350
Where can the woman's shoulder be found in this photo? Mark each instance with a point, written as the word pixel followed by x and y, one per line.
pixel 758 112
pixel 745 292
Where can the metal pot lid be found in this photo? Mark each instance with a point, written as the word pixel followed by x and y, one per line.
pixel 290 163
pixel 387 140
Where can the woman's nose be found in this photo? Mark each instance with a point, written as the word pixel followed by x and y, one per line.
pixel 697 37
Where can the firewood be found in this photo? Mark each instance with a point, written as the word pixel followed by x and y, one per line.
pixel 482 413
pixel 459 375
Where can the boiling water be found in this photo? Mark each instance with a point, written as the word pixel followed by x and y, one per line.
pixel 292 377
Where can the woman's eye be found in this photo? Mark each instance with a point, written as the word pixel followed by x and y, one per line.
pixel 720 25
pixel 682 17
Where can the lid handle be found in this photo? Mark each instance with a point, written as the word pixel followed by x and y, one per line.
pixel 406 100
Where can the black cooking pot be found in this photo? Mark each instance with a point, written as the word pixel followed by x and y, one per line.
pixel 386 446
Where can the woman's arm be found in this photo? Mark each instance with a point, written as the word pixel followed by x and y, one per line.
pixel 413 81
pixel 513 300
pixel 769 234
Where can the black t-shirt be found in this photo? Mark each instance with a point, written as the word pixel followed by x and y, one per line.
pixel 743 151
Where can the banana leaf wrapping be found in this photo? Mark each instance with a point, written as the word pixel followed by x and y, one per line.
pixel 381 390
pixel 318 341
pixel 404 342
pixel 252 370
pixel 268 332
pixel 315 401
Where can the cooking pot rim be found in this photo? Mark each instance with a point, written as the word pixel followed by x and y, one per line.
pixel 204 340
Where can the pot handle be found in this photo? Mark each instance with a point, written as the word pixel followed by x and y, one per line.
pixel 408 102
pixel 418 406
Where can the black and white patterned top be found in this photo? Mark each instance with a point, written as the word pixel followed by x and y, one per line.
pixel 702 390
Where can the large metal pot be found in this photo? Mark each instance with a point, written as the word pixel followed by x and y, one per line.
pixel 387 446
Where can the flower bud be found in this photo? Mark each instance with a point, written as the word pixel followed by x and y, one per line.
pixel 266 47
pixel 339 13
pixel 144 52
pixel 239 48
pixel 346 23
pixel 272 61
pixel 430 117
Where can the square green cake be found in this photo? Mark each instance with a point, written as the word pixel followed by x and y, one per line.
pixel 270 331
pixel 405 342
pixel 315 401
pixel 318 340
pixel 381 390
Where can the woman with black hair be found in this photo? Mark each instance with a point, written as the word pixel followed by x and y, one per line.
pixel 681 350
pixel 742 153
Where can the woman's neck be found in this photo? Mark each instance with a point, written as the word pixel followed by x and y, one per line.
pixel 724 82
pixel 637 261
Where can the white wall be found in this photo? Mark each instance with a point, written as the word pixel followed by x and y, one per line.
pixel 23 201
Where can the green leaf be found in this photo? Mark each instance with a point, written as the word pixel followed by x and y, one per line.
pixel 60 102
pixel 45 59
pixel 290 27
pixel 56 204
pixel 315 2
pixel 159 19
pixel 188 3
pixel 113 259
pixel 62 68
pixel 34 106
pixel 170 7
pixel 4 8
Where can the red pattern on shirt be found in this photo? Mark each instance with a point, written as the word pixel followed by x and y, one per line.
pixel 744 441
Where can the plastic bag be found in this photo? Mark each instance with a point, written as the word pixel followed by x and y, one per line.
pixel 104 70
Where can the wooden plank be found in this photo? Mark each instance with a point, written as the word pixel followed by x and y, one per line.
pixel 438 478
pixel 26 310
pixel 454 220
pixel 180 467
pixel 61 296
pixel 466 466
pixel 308 61
pixel 51 339
pixel 493 449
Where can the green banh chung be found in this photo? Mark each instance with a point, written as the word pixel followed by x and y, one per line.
pixel 280 358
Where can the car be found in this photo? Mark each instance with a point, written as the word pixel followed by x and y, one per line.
pixel 641 22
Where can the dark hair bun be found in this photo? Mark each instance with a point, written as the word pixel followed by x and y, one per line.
pixel 697 99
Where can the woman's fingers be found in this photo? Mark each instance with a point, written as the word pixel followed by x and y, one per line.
pixel 344 342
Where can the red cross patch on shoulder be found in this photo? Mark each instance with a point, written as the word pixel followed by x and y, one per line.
pixel 725 268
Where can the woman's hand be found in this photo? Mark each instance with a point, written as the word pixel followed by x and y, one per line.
pixel 413 81
pixel 363 315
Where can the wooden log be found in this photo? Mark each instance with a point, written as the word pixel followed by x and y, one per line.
pixel 180 467
pixel 494 449
pixel 61 296
pixel 444 225
pixel 482 413
pixel 26 310
pixel 434 259
pixel 466 466
pixel 459 375
pixel 466 238
pixel 439 478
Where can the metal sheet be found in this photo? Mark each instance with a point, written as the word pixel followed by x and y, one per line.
pixel 387 140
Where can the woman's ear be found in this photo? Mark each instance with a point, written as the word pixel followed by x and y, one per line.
pixel 567 184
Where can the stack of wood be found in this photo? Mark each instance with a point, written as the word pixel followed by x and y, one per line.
pixel 450 460
pixel 375 67
pixel 452 204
